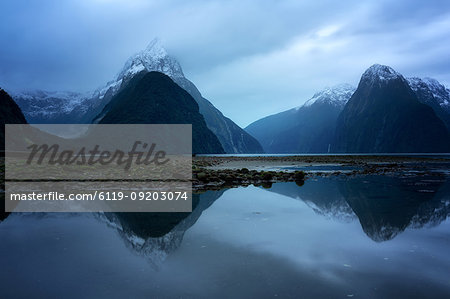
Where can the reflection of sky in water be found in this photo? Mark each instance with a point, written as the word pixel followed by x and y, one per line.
pixel 250 242
pixel 255 220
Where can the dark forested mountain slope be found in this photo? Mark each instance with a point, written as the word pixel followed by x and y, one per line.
pixel 385 116
pixel 10 113
pixel 153 98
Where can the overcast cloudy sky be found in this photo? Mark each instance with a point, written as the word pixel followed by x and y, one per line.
pixel 249 58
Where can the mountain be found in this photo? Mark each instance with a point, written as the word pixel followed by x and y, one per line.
pixel 155 58
pixel 153 98
pixel 21 137
pixel 157 235
pixel 409 202
pixel 10 113
pixel 53 107
pixel 384 115
pixel 306 129
pixel 70 107
pixel 434 94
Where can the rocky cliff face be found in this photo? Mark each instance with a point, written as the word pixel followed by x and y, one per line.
pixel 434 94
pixel 385 116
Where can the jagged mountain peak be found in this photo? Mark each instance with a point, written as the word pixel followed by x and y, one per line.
pixel 77 108
pixel 384 115
pixel 156 49
pixel 380 73
pixel 153 58
pixel 336 95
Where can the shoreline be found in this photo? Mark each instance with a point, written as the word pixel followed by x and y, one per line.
pixel 217 172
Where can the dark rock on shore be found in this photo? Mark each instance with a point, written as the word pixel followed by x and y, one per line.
pixel 203 178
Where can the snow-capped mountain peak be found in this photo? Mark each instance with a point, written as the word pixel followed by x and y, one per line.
pixel 431 86
pixel 152 58
pixel 155 49
pixel 378 72
pixel 337 95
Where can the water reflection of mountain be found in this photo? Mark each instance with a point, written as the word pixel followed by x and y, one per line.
pixel 323 196
pixel 385 206
pixel 153 235
pixel 156 235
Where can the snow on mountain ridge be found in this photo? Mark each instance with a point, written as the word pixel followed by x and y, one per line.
pixel 438 90
pixel 153 58
pixel 381 73
pixel 155 49
pixel 53 101
pixel 46 103
pixel 66 95
pixel 335 95
pixel 113 85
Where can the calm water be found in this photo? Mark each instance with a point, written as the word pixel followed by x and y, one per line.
pixel 363 237
pixel 412 155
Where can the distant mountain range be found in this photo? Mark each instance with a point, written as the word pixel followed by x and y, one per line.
pixel 386 113
pixel 72 107
pixel 306 129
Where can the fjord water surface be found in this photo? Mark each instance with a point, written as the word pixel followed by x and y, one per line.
pixel 363 236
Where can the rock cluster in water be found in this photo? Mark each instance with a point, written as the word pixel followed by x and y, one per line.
pixel 203 178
